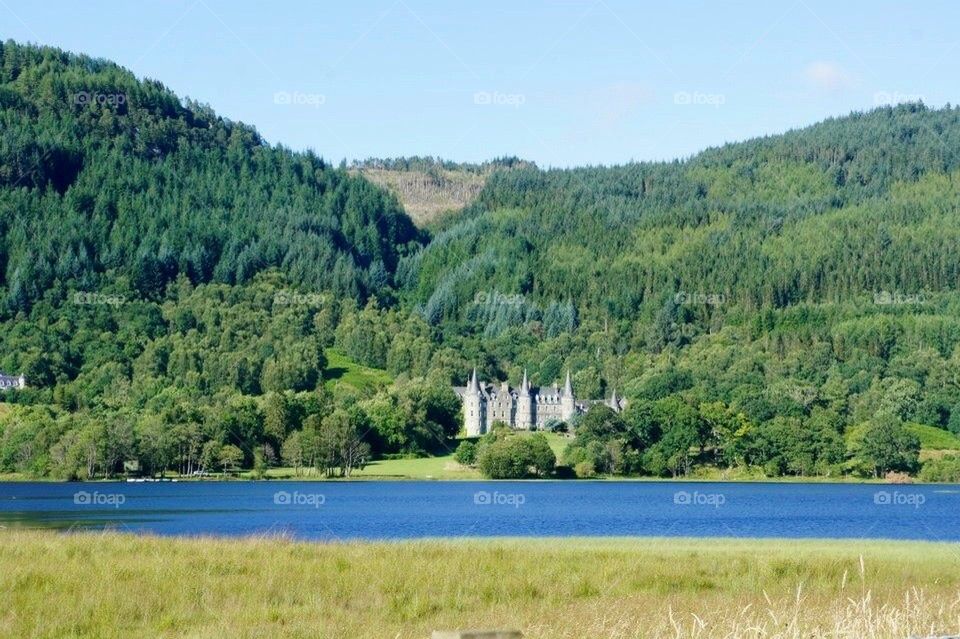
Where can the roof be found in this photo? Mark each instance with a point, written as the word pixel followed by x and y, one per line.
pixel 493 390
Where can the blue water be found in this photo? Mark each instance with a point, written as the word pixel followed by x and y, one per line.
pixel 397 510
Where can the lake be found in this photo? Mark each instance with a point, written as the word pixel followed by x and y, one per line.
pixel 404 510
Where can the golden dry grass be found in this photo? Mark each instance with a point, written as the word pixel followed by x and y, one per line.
pixel 107 586
pixel 424 196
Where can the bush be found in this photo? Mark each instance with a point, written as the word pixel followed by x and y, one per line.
pixel 505 459
pixel 517 457
pixel 954 424
pixel 541 456
pixel 466 453
pixel 585 470
pixel 554 425
pixel 946 470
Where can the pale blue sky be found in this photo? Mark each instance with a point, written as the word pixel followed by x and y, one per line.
pixel 563 83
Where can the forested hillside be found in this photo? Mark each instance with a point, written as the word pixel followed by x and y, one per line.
pixel 106 177
pixel 803 285
pixel 847 207
pixel 142 241
pixel 171 285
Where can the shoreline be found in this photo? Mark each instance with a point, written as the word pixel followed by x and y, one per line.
pixel 385 479
pixel 680 542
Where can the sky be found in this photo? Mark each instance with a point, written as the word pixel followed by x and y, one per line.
pixel 563 82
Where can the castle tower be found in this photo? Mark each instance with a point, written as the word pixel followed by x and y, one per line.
pixel 567 401
pixel 525 419
pixel 474 417
pixel 614 401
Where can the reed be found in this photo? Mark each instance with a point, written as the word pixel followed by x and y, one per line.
pixel 113 585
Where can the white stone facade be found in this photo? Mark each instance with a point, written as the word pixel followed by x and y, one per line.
pixel 524 408
pixel 9 381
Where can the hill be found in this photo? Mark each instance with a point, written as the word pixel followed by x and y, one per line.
pixel 182 295
pixel 807 282
pixel 171 283
pixel 106 177
pixel 845 208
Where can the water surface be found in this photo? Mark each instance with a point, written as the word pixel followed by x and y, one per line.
pixel 403 510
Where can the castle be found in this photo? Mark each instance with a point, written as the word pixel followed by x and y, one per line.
pixel 524 408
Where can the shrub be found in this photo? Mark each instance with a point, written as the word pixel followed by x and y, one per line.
pixel 541 456
pixel 466 453
pixel 945 469
pixel 554 425
pixel 585 470
pixel 516 457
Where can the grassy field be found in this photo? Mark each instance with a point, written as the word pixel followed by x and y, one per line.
pixel 427 196
pixel 439 467
pixel 932 438
pixel 108 586
pixel 444 467
pixel 343 370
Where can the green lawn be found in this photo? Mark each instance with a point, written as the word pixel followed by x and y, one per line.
pixel 932 438
pixel 558 443
pixel 439 467
pixel 113 586
pixel 343 370
pixel 443 467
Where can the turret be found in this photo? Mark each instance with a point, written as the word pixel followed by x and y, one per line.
pixel 524 418
pixel 567 401
pixel 474 417
pixel 614 401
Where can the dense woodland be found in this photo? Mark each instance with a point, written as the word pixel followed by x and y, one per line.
pixel 171 286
